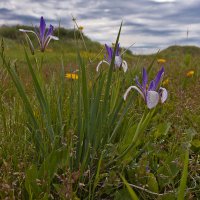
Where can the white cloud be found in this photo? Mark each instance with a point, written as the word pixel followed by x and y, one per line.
pixel 151 24
pixel 164 1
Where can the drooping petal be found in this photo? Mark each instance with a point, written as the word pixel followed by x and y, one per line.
pixel 159 77
pixel 124 66
pixel 29 31
pixel 100 63
pixel 129 89
pixel 118 61
pixel 54 37
pixel 29 43
pixel 48 39
pixel 42 29
pixel 144 78
pixel 163 94
pixel 152 99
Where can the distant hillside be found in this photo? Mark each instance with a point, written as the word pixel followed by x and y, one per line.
pixel 12 32
pixel 14 37
pixel 66 46
pixel 66 35
pixel 176 50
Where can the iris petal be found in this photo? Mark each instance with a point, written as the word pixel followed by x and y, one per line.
pixel 42 29
pixel 100 63
pixel 47 40
pixel 118 61
pixel 137 82
pixel 151 86
pixel 50 31
pixel 124 66
pixel 29 31
pixel 159 77
pixel 109 52
pixel 130 88
pixel 144 78
pixel 152 99
pixel 163 94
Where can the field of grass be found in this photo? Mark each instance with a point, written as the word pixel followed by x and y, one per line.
pixel 65 138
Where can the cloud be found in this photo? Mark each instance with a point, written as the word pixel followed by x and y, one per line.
pixel 151 24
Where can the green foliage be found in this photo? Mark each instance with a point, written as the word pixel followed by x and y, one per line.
pixel 38 181
pixel 78 139
pixel 183 183
pixel 152 183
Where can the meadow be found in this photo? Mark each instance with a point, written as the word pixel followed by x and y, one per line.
pixel 69 131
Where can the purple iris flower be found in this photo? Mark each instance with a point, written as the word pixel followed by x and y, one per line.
pixel 43 36
pixel 118 59
pixel 152 93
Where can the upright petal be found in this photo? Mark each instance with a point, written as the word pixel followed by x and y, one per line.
pixel 163 94
pixel 137 82
pixel 144 78
pixel 152 99
pixel 151 86
pixel 50 31
pixel 42 28
pixel 159 77
pixel 107 48
pixel 109 52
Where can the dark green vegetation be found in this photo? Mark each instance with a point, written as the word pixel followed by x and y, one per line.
pixel 66 139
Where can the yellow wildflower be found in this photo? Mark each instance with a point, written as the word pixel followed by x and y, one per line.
pixel 161 61
pixel 165 82
pixel 80 28
pixel 190 73
pixel 71 76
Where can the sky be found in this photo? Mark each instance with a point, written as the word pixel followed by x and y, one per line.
pixel 149 24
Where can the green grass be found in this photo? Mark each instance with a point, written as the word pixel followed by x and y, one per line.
pixel 78 139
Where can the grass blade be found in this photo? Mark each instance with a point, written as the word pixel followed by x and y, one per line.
pixel 130 190
pixel 38 141
pixel 183 184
